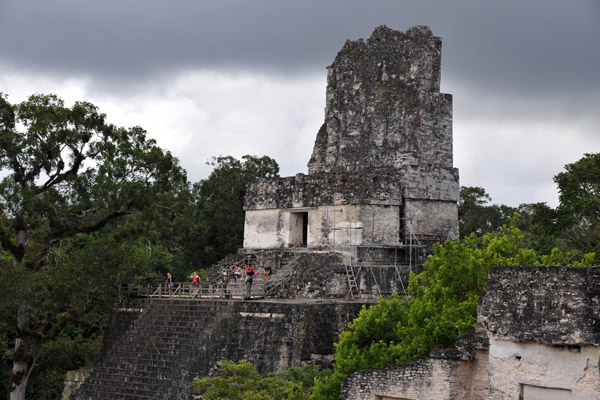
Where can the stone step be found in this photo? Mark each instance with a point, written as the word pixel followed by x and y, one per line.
pixel 139 358
pixel 116 367
pixel 95 392
pixel 172 341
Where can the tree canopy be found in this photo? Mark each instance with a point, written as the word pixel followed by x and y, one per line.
pixel 69 174
pixel 219 219
pixel 476 215
pixel 241 381
pixel 573 226
pixel 578 214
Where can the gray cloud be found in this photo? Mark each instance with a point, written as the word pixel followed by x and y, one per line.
pixel 540 44
pixel 524 74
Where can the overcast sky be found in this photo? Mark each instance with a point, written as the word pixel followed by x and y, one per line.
pixel 233 77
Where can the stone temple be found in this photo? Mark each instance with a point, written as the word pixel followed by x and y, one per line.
pixel 380 189
pixel 380 183
pixel 381 174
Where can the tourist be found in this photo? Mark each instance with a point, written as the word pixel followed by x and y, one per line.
pixel 195 283
pixel 237 272
pixel 170 283
pixel 224 278
pixel 267 278
pixel 249 280
pixel 268 270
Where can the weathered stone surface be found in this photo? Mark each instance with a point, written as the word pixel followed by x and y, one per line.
pixel 73 380
pixel 432 379
pixel 544 329
pixel 383 108
pixel 155 348
pixel 385 149
pixel 323 189
pixel 552 305
pixel 551 370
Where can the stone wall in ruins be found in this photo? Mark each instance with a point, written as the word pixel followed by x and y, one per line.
pixel 156 348
pixel 537 337
pixel 384 108
pixel 543 325
pixel 386 142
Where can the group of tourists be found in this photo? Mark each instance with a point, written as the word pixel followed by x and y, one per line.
pixel 248 274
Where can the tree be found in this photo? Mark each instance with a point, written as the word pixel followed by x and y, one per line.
pixel 69 173
pixel 443 306
pixel 539 222
pixel 475 216
pixel 579 208
pixel 241 381
pixel 579 190
pixel 220 200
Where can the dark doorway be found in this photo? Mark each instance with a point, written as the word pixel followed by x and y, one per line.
pixel 304 229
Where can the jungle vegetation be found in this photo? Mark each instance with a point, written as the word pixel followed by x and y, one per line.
pixel 86 206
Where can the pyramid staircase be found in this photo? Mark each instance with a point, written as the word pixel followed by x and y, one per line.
pixel 155 348
pixel 146 363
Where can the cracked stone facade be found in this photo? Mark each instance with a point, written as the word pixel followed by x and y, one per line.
pixel 382 165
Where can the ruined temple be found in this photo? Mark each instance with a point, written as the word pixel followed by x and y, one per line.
pixel 380 182
pixel 380 189
pixel 381 176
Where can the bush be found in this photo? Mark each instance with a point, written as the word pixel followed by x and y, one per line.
pixel 241 381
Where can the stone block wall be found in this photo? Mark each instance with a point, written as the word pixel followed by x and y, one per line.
pixel 552 305
pixel 429 182
pixel 430 379
pixel 435 219
pixel 544 330
pixel 155 348
pixel 383 105
pixel 324 189
pixel 332 227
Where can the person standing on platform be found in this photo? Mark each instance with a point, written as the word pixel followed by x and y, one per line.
pixel 170 283
pixel 249 280
pixel 195 283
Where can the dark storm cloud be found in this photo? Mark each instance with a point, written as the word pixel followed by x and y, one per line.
pixel 212 77
pixel 541 47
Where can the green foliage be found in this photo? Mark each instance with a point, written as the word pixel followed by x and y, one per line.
pixel 443 305
pixel 219 220
pixel 74 197
pixel 579 209
pixel 538 221
pixel 241 381
pixel 573 227
pixel 476 216
pixel 58 356
pixel 579 190
pixel 70 172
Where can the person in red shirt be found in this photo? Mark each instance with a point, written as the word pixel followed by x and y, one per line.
pixel 249 280
pixel 195 283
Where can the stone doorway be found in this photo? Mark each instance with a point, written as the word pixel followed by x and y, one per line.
pixel 299 229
